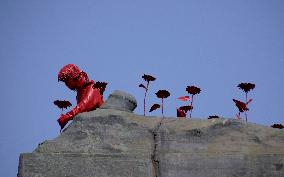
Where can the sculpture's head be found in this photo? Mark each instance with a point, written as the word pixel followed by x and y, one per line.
pixel 73 77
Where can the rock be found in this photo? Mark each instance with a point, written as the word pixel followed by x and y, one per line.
pixel 120 100
pixel 206 148
pixel 105 142
pixel 114 142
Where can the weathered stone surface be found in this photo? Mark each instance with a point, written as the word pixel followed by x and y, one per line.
pixel 104 131
pixel 120 100
pixel 84 165
pixel 214 148
pixel 113 142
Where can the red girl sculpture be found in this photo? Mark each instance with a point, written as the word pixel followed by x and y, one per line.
pixel 88 98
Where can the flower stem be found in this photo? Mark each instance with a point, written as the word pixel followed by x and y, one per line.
pixel 191 105
pixel 246 110
pixel 239 115
pixel 163 107
pixel 145 97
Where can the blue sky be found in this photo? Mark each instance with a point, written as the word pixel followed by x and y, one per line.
pixel 214 45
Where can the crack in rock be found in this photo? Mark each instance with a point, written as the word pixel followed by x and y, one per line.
pixel 154 156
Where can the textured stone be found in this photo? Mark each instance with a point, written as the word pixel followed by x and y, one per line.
pixel 104 142
pixel 212 148
pixel 114 142
pixel 120 100
pixel 84 165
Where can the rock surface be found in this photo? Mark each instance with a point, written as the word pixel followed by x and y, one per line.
pixel 114 142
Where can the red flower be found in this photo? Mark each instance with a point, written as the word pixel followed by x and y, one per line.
pixel 62 104
pixel 280 126
pixel 101 86
pixel 163 94
pixel 154 107
pixel 241 105
pixel 246 87
pixel 148 78
pixel 193 90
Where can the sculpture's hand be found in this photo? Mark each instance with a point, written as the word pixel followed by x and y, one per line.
pixel 62 121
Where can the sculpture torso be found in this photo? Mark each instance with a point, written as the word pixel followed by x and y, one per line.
pixel 89 97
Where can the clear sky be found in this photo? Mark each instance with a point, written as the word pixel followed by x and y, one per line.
pixel 214 45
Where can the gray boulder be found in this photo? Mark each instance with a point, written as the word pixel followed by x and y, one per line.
pixel 120 100
pixel 114 142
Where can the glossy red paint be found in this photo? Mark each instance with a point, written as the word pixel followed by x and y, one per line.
pixel 88 98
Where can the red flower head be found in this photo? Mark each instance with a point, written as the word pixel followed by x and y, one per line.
pixel 193 90
pixel 62 104
pixel 69 71
pixel 148 78
pixel 246 87
pixel 163 94
pixel 154 107
pixel 101 86
pixel 241 105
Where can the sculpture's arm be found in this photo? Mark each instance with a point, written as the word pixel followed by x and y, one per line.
pixel 92 100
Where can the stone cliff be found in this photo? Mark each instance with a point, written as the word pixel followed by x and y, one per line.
pixel 114 142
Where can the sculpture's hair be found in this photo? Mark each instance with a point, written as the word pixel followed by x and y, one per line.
pixel 69 71
pixel 72 71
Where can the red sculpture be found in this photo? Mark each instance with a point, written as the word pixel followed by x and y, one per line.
pixel 88 97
